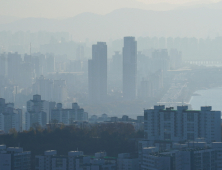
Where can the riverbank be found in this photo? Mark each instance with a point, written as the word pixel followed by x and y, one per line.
pixel 207 97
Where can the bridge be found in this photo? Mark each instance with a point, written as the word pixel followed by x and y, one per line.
pixel 206 63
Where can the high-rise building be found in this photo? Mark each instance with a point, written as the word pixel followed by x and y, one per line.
pixel 182 124
pixel 37 112
pixel 80 52
pixel 10 118
pixel 116 65
pixel 97 73
pixel 129 68
pixel 14 61
pixel 3 64
pixel 50 61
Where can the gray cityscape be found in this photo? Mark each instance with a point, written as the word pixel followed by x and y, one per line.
pixel 110 85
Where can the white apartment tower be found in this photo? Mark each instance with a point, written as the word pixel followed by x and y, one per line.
pixel 182 124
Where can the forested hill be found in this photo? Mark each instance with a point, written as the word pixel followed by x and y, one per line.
pixel 113 138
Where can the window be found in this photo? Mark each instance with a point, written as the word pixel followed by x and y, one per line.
pixel 190 117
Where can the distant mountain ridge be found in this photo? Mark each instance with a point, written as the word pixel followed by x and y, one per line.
pixel 198 22
pixel 7 19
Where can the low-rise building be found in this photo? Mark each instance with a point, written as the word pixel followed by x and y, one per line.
pixel 75 160
pixel 67 116
pixel 14 158
pixel 126 161
pixel 187 156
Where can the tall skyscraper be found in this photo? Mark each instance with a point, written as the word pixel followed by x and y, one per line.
pixel 14 61
pixel 129 68
pixel 3 64
pixel 97 73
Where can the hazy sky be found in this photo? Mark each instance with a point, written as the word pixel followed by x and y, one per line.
pixel 70 8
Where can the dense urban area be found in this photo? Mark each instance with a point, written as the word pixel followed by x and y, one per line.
pixel 110 85
pixel 128 110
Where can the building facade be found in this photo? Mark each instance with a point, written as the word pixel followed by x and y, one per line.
pixel 12 158
pixel 182 124
pixel 68 116
pixel 97 73
pixel 37 113
pixel 75 160
pixel 10 118
pixel 129 68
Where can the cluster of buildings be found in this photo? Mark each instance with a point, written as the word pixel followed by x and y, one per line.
pixel 126 76
pixel 174 139
pixel 12 158
pixel 38 113
pixel 181 139
pixel 137 123
pixel 97 71
pixel 22 77
pixel 41 113
pixel 50 90
pixel 130 68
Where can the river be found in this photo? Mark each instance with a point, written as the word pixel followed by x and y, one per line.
pixel 208 97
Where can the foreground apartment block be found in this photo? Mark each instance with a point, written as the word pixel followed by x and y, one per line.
pixel 190 156
pixel 182 124
pixel 75 160
pixel 14 158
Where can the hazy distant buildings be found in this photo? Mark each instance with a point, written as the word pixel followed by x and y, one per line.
pixel 117 65
pixel 74 66
pixel 14 61
pixel 97 73
pixel 68 116
pixel 182 124
pixel 151 85
pixel 129 68
pixel 50 61
pixel 50 90
pixel 80 52
pixel 3 64
pixel 175 59
pixel 160 60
